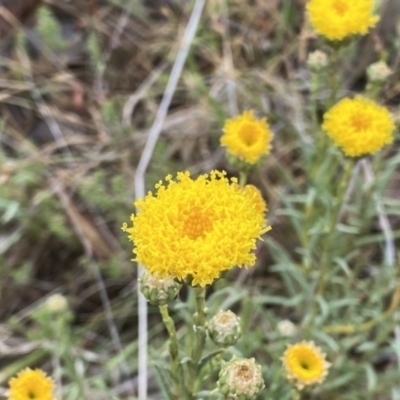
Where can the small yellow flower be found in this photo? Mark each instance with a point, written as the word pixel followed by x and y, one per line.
pixel 197 228
pixel 31 384
pixel 338 19
pixel 359 126
pixel 305 364
pixel 246 137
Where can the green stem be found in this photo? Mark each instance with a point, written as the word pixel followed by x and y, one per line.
pixel 332 224
pixel 173 350
pixel 314 91
pixel 199 319
pixel 243 178
pixel 199 324
pixel 327 245
pixel 213 365
pixel 333 75
pixel 296 394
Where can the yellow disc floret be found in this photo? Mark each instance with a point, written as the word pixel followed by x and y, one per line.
pixel 31 384
pixel 197 228
pixel 338 19
pixel 359 126
pixel 247 137
pixel 305 364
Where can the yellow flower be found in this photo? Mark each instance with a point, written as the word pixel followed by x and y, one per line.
pixel 31 384
pixel 198 228
pixel 337 19
pixel 305 364
pixel 359 126
pixel 246 137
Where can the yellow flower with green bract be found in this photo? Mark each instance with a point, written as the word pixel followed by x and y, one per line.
pixel 305 364
pixel 193 229
pixel 31 384
pixel 338 19
pixel 359 126
pixel 246 137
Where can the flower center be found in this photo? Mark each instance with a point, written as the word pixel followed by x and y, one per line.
pixel 307 365
pixel 341 6
pixel 31 395
pixel 304 364
pixel 244 373
pixel 248 133
pixel 224 319
pixel 196 223
pixel 360 121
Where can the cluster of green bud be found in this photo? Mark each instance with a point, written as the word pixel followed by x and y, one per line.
pixel 224 328
pixel 158 291
pixel 240 379
pixel 317 61
pixel 378 72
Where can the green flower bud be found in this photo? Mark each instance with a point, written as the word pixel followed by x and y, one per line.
pixel 224 328
pixel 240 379
pixel 56 304
pixel 287 328
pixel 158 291
pixel 317 61
pixel 378 72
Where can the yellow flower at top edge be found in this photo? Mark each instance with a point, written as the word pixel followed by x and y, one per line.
pixel 197 228
pixel 246 137
pixel 338 19
pixel 31 384
pixel 359 126
pixel 305 364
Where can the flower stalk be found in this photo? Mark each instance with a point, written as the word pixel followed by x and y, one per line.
pixel 173 350
pixel 333 75
pixel 199 326
pixel 344 182
pixel 199 320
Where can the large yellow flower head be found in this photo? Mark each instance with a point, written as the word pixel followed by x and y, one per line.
pixel 246 137
pixel 338 19
pixel 31 384
pixel 359 126
pixel 305 364
pixel 197 228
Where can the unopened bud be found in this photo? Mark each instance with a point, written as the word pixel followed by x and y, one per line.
pixel 224 328
pixel 378 72
pixel 317 61
pixel 56 304
pixel 287 328
pixel 240 378
pixel 158 291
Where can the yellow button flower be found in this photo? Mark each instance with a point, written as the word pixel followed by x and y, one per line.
pixel 246 137
pixel 305 364
pixel 31 384
pixel 338 19
pixel 359 126
pixel 197 228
